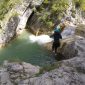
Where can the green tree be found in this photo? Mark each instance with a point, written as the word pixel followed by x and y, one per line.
pixel 6 6
pixel 52 10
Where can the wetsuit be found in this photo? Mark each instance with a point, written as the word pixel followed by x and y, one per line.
pixel 56 43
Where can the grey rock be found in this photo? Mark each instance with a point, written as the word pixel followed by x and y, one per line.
pixel 9 30
pixel 62 76
pixel 4 77
pixel 68 31
pixel 80 30
pixel 15 24
pixel 30 69
pixel 14 67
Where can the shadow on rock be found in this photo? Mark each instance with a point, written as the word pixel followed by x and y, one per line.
pixel 59 57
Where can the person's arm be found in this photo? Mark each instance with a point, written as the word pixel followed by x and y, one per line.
pixel 51 36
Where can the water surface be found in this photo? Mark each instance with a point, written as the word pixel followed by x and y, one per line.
pixel 21 49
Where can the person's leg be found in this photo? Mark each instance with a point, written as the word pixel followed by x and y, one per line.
pixel 57 44
pixel 53 46
pixel 55 49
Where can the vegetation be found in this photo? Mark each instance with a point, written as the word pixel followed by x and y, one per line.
pixel 49 12
pixel 80 4
pixel 6 6
pixel 49 67
pixel 52 10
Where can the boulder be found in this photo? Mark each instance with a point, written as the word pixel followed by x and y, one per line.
pixel 68 48
pixel 12 73
pixel 21 71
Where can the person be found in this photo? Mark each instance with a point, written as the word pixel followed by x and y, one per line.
pixel 60 27
pixel 57 36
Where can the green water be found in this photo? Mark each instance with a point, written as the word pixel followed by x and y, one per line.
pixel 21 49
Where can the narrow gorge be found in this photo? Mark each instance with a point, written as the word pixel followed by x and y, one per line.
pixel 25 44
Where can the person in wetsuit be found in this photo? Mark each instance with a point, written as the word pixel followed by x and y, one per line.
pixel 57 36
pixel 56 43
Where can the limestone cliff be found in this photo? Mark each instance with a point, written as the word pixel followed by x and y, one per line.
pixel 16 19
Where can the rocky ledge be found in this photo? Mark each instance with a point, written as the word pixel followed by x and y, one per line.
pixel 71 70
pixel 17 73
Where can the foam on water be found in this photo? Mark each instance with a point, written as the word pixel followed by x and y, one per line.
pixel 42 39
pixel 24 48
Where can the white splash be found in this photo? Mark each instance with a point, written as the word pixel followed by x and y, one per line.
pixel 42 39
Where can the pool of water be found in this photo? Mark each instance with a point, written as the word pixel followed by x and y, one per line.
pixel 21 49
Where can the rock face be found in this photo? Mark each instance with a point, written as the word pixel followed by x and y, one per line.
pixel 9 31
pixel 80 30
pixel 17 20
pixel 17 73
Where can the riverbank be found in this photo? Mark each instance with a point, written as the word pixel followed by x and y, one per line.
pixel 63 72
pixel 28 49
pixel 67 71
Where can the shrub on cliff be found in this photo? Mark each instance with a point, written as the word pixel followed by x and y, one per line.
pixel 6 6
